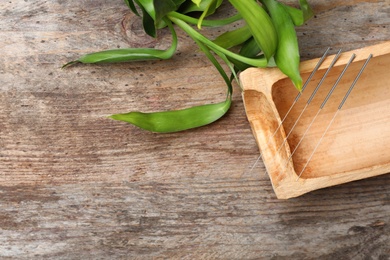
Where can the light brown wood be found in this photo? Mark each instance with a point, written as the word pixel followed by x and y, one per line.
pixel 354 147
pixel 76 185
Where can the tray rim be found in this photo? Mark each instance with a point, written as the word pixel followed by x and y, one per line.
pixel 285 184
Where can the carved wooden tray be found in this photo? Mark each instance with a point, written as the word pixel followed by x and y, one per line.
pixel 357 144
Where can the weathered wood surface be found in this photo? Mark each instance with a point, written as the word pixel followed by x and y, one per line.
pixel 75 185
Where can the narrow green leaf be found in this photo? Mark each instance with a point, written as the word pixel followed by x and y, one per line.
pixel 233 38
pixel 130 54
pixel 287 54
pixel 157 9
pixel 149 24
pixel 154 11
pixel 148 7
pixel 176 120
pixel 162 8
pixel 249 49
pixel 210 9
pixel 298 16
pixel 197 2
pixel 217 65
pixel 230 65
pixel 178 3
pixel 306 9
pixel 295 14
pixel 179 120
pixel 190 6
pixel 210 23
pixel 260 25
pixel 199 37
pixel 148 16
pixel 131 5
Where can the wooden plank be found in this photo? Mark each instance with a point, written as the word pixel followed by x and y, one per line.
pixel 75 184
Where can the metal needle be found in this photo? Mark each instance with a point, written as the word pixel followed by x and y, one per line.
pixel 295 101
pixel 335 114
pixel 322 105
pixel 310 99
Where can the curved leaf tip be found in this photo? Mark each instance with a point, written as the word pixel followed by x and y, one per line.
pixel 176 120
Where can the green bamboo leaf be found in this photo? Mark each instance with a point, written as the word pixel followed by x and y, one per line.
pixel 199 37
pixel 260 25
pixel 197 2
pixel 148 7
pixel 130 54
pixel 217 65
pixel 176 120
pixel 298 16
pixel 287 54
pixel 157 9
pixel 179 120
pixel 295 14
pixel 148 23
pixel 249 49
pixel 162 8
pixel 210 23
pixel 154 11
pixel 230 65
pixel 210 9
pixel 190 6
pixel 148 16
pixel 233 38
pixel 131 5
pixel 306 9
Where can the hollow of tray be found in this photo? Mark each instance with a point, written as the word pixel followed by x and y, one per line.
pixel 357 144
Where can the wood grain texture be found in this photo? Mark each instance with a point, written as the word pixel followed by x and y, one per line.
pixel 352 149
pixel 75 184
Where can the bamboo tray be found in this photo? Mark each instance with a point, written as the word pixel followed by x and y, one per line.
pixel 357 145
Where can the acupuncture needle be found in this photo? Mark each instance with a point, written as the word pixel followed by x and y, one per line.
pixel 322 106
pixel 300 92
pixel 335 114
pixel 295 101
pixel 311 98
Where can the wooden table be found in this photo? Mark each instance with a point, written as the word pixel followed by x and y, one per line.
pixel 76 185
